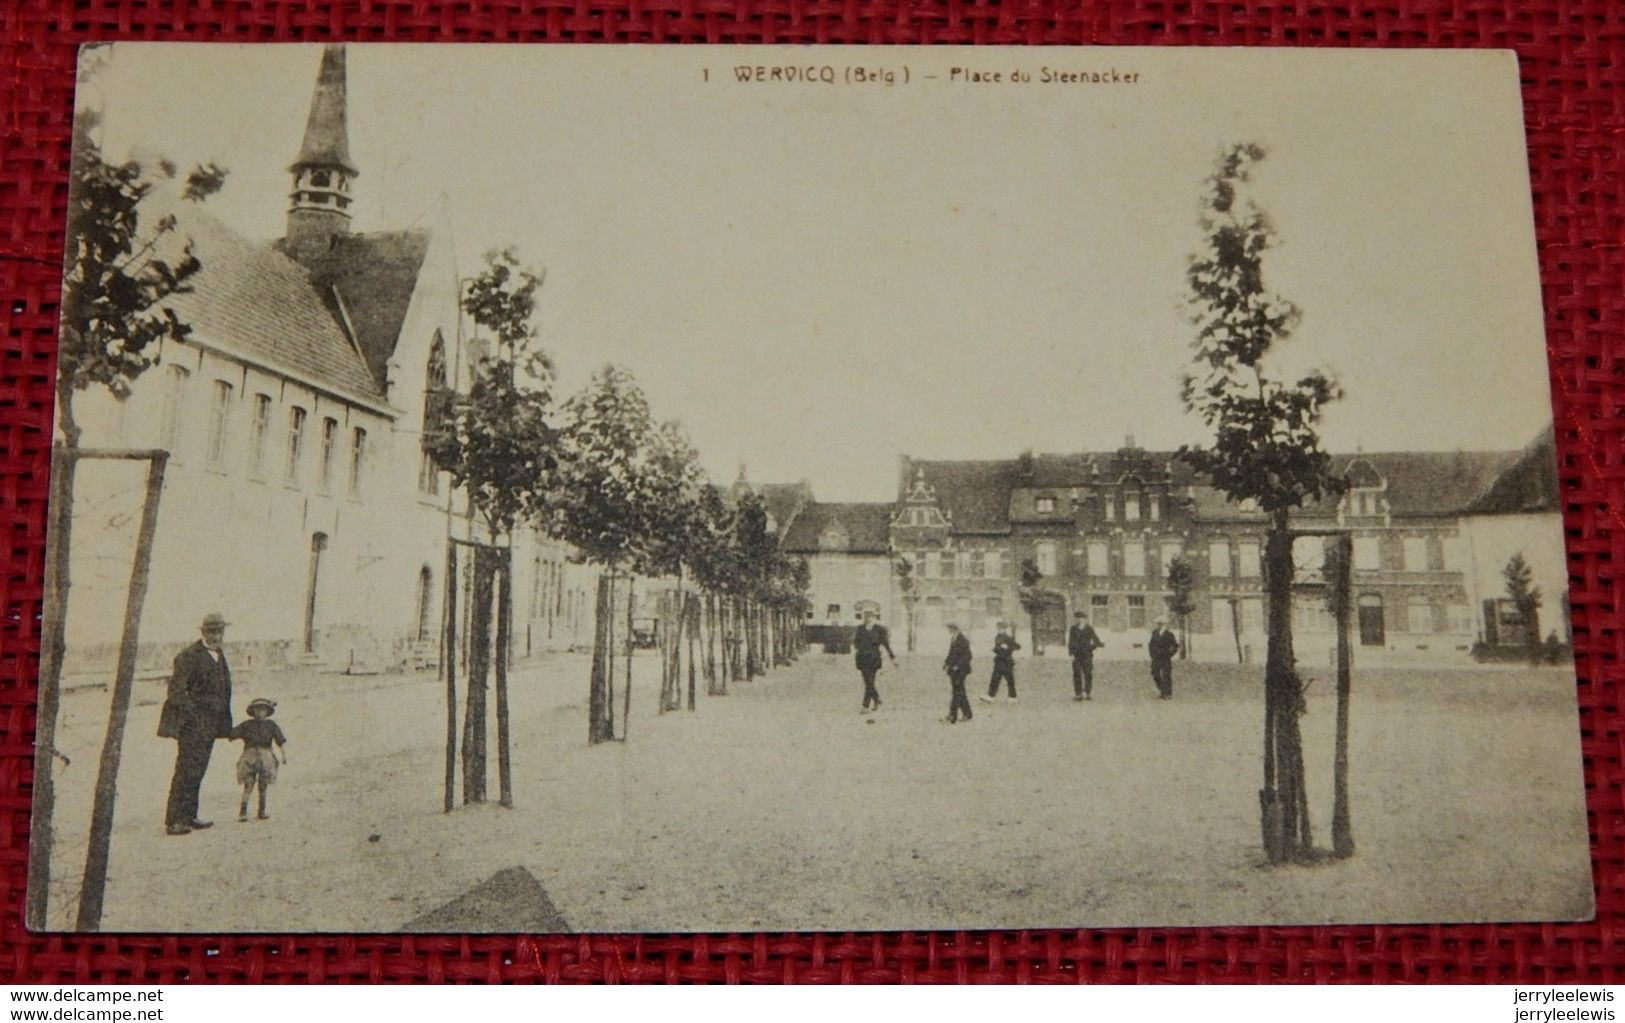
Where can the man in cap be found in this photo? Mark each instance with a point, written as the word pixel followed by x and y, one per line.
pixel 1004 663
pixel 957 665
pixel 196 712
pixel 1162 647
pixel 867 641
pixel 1081 642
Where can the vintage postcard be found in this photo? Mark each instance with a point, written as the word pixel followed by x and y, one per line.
pixel 544 489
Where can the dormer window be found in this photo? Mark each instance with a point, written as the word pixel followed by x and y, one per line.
pixel 1046 505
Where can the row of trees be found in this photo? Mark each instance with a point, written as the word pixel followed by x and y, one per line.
pixel 600 473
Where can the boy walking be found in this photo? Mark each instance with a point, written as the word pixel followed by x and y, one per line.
pixel 1004 663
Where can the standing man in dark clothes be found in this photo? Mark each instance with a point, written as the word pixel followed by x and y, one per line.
pixel 1004 663
pixel 196 713
pixel 867 641
pixel 1082 642
pixel 957 666
pixel 1163 646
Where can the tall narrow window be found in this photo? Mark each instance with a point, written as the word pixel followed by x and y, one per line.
pixel 219 421
pixel 993 565
pixel 296 443
pixel 1133 558
pixel 1153 505
pixel 1136 611
pixel 1044 555
pixel 1131 506
pixel 1099 558
pixel 256 435
pixel 1247 558
pixel 358 458
pixel 1218 559
pixel 330 439
pixel 174 405
pixel 434 386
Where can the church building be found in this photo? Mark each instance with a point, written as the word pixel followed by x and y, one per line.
pixel 298 500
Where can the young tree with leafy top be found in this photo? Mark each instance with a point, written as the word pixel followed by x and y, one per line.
pixel 605 509
pixel 499 446
pixel 1031 596
pixel 903 571
pixel 1181 582
pixel 1527 599
pixel 123 262
pixel 1265 448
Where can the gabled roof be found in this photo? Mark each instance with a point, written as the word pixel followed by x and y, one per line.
pixel 986 496
pixel 1427 482
pixel 375 276
pixel 867 526
pixel 1529 485
pixel 254 302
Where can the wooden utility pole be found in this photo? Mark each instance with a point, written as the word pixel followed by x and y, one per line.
pixel 94 888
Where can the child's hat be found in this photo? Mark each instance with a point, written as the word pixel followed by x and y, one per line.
pixel 269 705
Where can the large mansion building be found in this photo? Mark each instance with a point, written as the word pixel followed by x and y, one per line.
pixel 1432 533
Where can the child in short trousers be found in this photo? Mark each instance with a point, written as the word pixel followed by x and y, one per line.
pixel 256 768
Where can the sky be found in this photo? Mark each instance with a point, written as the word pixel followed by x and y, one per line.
pixel 817 278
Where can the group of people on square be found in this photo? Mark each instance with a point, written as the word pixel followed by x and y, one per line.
pixel 870 638
pixel 196 713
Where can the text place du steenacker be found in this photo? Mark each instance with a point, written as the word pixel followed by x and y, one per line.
pixel 903 74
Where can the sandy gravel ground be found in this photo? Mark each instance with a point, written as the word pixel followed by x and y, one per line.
pixel 781 807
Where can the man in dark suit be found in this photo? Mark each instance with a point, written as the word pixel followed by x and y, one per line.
pixel 1082 642
pixel 957 665
pixel 196 713
pixel 867 641
pixel 1004 663
pixel 1162 647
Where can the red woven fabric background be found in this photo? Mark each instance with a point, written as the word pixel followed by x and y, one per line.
pixel 1573 65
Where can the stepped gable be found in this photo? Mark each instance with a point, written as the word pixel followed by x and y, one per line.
pixel 254 302
pixel 867 525
pixel 975 495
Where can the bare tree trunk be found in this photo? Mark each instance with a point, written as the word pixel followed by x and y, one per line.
pixel 599 726
pixel 1235 627
pixel 1284 697
pixel 626 712
pixel 94 889
pixel 448 656
pixel 691 629
pixel 479 667
pixel 504 641
pixel 53 646
pixel 1342 828
pixel 716 681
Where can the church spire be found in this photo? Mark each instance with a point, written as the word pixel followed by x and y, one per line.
pixel 319 205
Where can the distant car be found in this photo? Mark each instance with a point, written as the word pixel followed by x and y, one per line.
pixel 645 634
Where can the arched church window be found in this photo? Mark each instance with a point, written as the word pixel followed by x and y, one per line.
pixel 434 399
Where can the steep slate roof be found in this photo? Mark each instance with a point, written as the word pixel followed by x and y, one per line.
pixel 975 495
pixel 375 276
pixel 978 494
pixel 1530 485
pixel 253 301
pixel 1429 482
pixel 868 527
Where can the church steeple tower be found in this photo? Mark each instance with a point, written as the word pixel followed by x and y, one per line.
pixel 319 205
